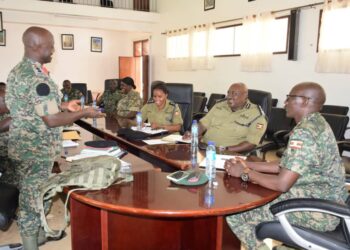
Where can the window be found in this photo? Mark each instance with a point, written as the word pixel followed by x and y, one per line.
pixel 227 39
pixel 178 46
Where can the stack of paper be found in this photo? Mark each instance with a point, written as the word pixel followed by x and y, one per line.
pixel 175 138
pixel 69 144
pixel 149 130
pixel 92 152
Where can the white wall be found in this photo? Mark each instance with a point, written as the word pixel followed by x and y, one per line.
pixel 178 14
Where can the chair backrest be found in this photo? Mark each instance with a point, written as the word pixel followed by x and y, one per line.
pixel 199 93
pixel 182 94
pixel 108 81
pixel 338 124
pixel 261 98
pixel 199 103
pixel 278 121
pixel 213 98
pixel 274 102
pixel 89 97
pixel 82 87
pixel 335 109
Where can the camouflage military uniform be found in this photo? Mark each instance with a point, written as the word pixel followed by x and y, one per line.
pixel 73 94
pixel 6 168
pixel 312 152
pixel 170 114
pixel 130 102
pixel 227 128
pixel 110 100
pixel 31 94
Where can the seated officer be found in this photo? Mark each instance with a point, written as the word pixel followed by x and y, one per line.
pixel 72 94
pixel 235 123
pixel 311 167
pixel 161 112
pixel 131 102
pixel 110 98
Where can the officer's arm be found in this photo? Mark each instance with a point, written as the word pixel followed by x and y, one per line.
pixel 65 118
pixel 201 130
pixel 171 127
pixel 5 124
pixel 241 147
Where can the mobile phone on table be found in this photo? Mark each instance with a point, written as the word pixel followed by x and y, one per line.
pixel 177 176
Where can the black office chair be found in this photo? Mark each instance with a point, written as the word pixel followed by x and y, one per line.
pixel 89 97
pixel 213 99
pixel 274 102
pixel 198 104
pixel 8 204
pixel 199 93
pixel 302 237
pixel 335 109
pixel 82 87
pixel 182 94
pixel 261 98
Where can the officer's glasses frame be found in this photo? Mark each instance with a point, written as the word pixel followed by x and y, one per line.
pixel 296 96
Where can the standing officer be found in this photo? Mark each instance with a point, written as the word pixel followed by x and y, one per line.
pixel 110 97
pixel 35 131
pixel 311 167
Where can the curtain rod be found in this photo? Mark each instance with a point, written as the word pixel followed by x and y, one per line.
pixel 274 12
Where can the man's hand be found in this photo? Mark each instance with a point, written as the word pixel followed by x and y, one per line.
pixel 90 112
pixel 234 167
pixel 72 106
pixel 186 136
pixel 154 125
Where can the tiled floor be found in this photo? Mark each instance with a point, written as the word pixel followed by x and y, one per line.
pixel 55 220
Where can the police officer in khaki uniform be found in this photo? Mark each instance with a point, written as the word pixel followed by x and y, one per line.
pixel 161 112
pixel 131 102
pixel 236 124
pixel 35 131
pixel 311 167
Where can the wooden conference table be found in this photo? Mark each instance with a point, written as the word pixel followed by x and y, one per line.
pixel 152 213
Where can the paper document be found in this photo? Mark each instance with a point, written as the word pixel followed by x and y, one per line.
pixel 220 160
pixel 156 141
pixel 69 144
pixel 175 138
pixel 149 130
pixel 70 128
pixel 71 135
pixel 89 152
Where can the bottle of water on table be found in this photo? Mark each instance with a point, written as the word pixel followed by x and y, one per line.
pixel 82 102
pixel 65 98
pixel 210 157
pixel 94 120
pixel 194 143
pixel 139 121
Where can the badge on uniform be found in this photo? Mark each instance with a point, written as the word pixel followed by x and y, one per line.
pixel 294 144
pixel 259 126
pixel 43 89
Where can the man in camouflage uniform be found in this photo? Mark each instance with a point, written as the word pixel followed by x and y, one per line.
pixel 110 98
pixel 72 94
pixel 131 103
pixel 236 124
pixel 6 168
pixel 35 133
pixel 160 112
pixel 311 167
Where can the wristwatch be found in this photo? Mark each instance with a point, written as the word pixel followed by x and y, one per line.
pixel 244 175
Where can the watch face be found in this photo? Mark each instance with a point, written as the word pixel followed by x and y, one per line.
pixel 245 177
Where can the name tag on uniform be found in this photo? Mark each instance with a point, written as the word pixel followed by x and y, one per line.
pixel 294 144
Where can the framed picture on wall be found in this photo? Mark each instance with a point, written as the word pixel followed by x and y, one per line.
pixel 3 38
pixel 67 41
pixel 209 4
pixel 1 27
pixel 96 44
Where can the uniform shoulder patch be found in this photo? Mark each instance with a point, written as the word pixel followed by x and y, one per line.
pixel 221 100
pixel 296 144
pixel 43 89
pixel 259 126
pixel 172 103
pixel 150 101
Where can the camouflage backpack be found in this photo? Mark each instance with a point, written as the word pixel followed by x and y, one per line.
pixel 89 174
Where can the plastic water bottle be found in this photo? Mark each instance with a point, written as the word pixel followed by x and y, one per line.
pixel 210 157
pixel 139 121
pixel 65 98
pixel 94 120
pixel 209 198
pixel 194 143
pixel 82 102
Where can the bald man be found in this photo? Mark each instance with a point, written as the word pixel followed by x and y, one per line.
pixel 235 123
pixel 311 167
pixel 35 131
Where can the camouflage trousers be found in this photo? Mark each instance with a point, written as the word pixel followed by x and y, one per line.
pixel 32 174
pixel 243 224
pixel 8 170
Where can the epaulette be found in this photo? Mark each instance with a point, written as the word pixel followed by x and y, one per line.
pixel 172 103
pixel 220 100
pixel 150 101
pixel 247 105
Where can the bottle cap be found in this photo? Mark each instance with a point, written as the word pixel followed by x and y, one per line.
pixel 211 143
pixel 194 122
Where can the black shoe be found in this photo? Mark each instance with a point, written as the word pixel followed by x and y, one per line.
pixel 48 239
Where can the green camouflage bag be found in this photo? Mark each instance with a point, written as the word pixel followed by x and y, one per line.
pixel 89 174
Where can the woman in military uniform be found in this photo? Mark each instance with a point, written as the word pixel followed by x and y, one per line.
pixel 161 112
pixel 131 103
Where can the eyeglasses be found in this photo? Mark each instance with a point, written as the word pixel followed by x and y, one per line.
pixel 296 96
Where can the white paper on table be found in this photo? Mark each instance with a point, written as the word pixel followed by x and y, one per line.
pixel 175 138
pixel 69 144
pixel 87 153
pixel 155 141
pixel 220 160
pixel 74 127
pixel 149 130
